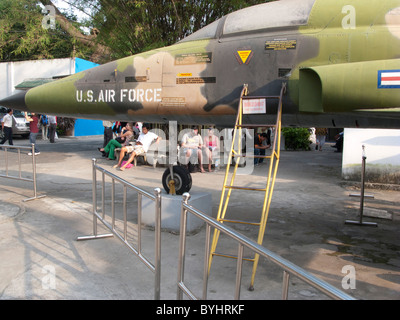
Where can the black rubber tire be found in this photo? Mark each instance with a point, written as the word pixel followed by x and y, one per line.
pixel 182 177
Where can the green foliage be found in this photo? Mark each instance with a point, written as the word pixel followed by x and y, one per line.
pixel 123 27
pixel 296 138
pixel 22 36
pixel 131 26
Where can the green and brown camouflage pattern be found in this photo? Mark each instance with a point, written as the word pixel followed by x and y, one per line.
pixel 333 55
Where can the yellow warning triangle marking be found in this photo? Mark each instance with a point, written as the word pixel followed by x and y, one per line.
pixel 244 54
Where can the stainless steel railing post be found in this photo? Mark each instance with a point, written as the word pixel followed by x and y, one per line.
pixel 362 196
pixel 182 247
pixel 139 229
pixel 34 170
pixel 94 196
pixel 157 279
pixel 239 271
pixel 206 261
pixel 285 285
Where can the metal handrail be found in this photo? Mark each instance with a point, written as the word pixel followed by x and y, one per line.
pixel 156 267
pixel 19 162
pixel 288 267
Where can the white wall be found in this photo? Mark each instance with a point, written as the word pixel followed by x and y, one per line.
pixel 382 149
pixel 13 73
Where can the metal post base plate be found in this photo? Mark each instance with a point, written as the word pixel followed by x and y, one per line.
pixel 100 236
pixel 367 224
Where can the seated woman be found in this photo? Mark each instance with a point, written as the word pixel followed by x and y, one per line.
pixel 113 144
pixel 211 142
pixel 121 138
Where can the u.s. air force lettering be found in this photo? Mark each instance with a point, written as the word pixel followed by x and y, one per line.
pixel 123 95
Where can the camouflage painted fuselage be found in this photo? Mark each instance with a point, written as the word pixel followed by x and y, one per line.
pixel 340 59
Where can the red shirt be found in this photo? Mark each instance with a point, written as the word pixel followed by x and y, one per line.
pixel 33 125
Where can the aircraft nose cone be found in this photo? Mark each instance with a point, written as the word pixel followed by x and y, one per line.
pixel 16 101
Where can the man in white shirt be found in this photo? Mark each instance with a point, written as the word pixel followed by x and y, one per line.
pixel 6 126
pixel 140 148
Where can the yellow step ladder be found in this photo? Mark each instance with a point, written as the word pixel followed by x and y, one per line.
pixel 272 171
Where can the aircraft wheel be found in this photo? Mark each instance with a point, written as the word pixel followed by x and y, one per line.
pixel 182 179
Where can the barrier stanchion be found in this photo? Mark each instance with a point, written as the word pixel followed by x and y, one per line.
pixel 19 162
pixel 362 196
pixel 156 267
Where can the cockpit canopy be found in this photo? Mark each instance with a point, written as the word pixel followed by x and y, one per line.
pixel 276 14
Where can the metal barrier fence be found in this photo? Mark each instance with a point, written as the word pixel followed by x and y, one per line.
pixel 19 163
pixel 288 267
pixel 156 267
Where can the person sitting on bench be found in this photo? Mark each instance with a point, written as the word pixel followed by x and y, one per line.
pixel 140 148
pixel 192 145
pixel 121 141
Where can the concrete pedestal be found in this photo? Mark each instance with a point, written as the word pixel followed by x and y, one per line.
pixel 171 211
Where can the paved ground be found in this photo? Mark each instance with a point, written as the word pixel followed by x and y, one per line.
pixel 41 259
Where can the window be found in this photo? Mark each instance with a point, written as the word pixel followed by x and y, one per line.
pixel 208 32
pixel 284 13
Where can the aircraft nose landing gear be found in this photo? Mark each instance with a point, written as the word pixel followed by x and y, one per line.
pixel 177 180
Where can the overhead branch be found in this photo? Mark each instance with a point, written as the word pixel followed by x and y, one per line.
pixel 100 51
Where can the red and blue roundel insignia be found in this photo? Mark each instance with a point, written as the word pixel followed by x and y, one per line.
pixel 388 79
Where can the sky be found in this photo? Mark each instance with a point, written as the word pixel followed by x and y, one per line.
pixel 63 4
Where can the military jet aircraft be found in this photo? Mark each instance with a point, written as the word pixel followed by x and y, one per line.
pixel 340 60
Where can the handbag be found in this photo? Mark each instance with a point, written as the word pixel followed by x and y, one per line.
pixel 120 140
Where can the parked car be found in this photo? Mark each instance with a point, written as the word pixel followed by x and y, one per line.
pixel 20 125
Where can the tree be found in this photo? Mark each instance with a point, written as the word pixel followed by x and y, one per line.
pixel 119 27
pixel 132 26
pixel 100 53
pixel 22 36
pixel 297 138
